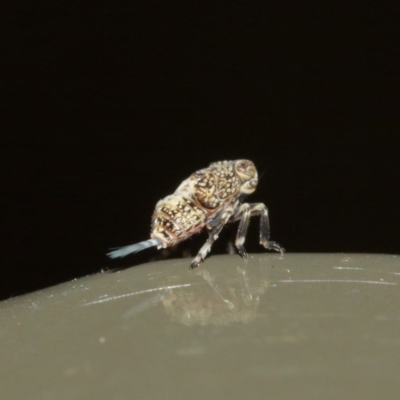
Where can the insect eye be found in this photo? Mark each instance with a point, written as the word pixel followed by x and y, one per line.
pixel 246 169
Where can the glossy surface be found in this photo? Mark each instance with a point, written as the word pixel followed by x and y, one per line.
pixel 306 326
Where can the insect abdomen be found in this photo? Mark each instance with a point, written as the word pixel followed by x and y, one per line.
pixel 175 219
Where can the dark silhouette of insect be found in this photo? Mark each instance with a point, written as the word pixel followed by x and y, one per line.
pixel 209 198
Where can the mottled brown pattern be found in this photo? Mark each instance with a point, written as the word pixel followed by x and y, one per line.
pixel 175 219
pixel 216 185
pixel 204 189
pixel 209 198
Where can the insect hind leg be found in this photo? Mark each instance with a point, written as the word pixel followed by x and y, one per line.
pixel 212 237
pixel 243 213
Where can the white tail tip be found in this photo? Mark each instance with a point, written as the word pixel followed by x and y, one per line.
pixel 133 248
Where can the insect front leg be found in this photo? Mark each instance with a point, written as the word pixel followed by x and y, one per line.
pixel 213 234
pixel 243 213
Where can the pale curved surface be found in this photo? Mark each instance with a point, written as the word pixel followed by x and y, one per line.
pixel 305 326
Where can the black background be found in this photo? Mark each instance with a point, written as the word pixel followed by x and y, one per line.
pixel 110 105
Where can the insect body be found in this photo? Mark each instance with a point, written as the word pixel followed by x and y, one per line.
pixel 210 198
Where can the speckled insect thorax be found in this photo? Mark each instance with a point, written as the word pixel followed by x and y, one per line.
pixel 200 199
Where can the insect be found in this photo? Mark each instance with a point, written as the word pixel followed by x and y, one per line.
pixel 210 198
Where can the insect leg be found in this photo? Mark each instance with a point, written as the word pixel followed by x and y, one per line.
pixel 212 237
pixel 244 212
pixel 260 208
pixel 202 254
